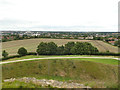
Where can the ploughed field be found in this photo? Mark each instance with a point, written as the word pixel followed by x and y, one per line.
pixel 96 73
pixel 31 44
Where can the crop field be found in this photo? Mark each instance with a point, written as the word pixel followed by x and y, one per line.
pixel 96 73
pixel 31 44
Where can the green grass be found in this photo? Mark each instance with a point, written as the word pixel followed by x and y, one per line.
pixel 21 84
pixel 104 61
pixel 98 60
pixel 81 71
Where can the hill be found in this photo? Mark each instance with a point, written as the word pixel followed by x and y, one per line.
pixel 88 73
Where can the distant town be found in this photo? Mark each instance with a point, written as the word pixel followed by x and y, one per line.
pixel 108 37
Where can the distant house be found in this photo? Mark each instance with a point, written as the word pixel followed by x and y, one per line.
pixel 112 42
pixel 100 35
pixel 72 37
pixel 110 38
pixel 80 37
pixel 115 39
pixel 88 37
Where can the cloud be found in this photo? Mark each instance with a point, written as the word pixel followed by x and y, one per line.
pixel 95 15
pixel 5 2
pixel 14 24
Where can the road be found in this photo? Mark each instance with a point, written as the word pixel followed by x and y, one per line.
pixel 6 62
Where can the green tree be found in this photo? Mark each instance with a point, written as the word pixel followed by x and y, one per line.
pixel 68 47
pixel 42 48
pixel 60 50
pixel 81 48
pixel 51 48
pixel 47 48
pixel 4 54
pixel 22 51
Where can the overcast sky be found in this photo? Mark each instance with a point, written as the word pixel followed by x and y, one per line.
pixel 59 15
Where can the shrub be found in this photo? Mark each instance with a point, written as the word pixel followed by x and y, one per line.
pixel 4 54
pixel 15 56
pixel 31 53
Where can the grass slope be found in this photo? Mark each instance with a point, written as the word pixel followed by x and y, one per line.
pixel 20 85
pixel 31 44
pixel 85 72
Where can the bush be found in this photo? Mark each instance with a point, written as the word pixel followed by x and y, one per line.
pixel 31 53
pixel 4 54
pixel 10 57
pixel 22 51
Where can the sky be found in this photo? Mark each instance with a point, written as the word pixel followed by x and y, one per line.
pixel 59 15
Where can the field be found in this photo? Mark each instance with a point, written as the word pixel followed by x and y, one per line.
pixel 31 44
pixel 95 73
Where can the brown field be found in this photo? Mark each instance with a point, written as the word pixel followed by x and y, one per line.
pixel 31 44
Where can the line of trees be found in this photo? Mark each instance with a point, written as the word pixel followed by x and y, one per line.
pixel 50 48
pixel 71 48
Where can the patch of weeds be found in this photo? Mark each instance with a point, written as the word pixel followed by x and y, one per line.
pixel 39 66
pixel 74 66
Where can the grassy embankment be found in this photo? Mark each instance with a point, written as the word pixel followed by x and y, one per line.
pixel 92 72
pixel 19 84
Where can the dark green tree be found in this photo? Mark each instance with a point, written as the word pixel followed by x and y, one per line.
pixel 51 48
pixel 60 50
pixel 22 51
pixel 81 48
pixel 47 48
pixel 68 47
pixel 4 54
pixel 42 48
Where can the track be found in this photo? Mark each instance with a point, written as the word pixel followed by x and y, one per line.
pixel 6 62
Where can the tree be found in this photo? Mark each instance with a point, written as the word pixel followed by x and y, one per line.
pixel 22 51
pixel 52 48
pixel 60 50
pixel 81 48
pixel 47 48
pixel 4 54
pixel 68 47
pixel 42 48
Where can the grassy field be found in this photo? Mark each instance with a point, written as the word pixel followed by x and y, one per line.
pixel 31 44
pixel 92 72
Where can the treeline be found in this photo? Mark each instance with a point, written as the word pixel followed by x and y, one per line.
pixel 71 48
pixel 50 48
